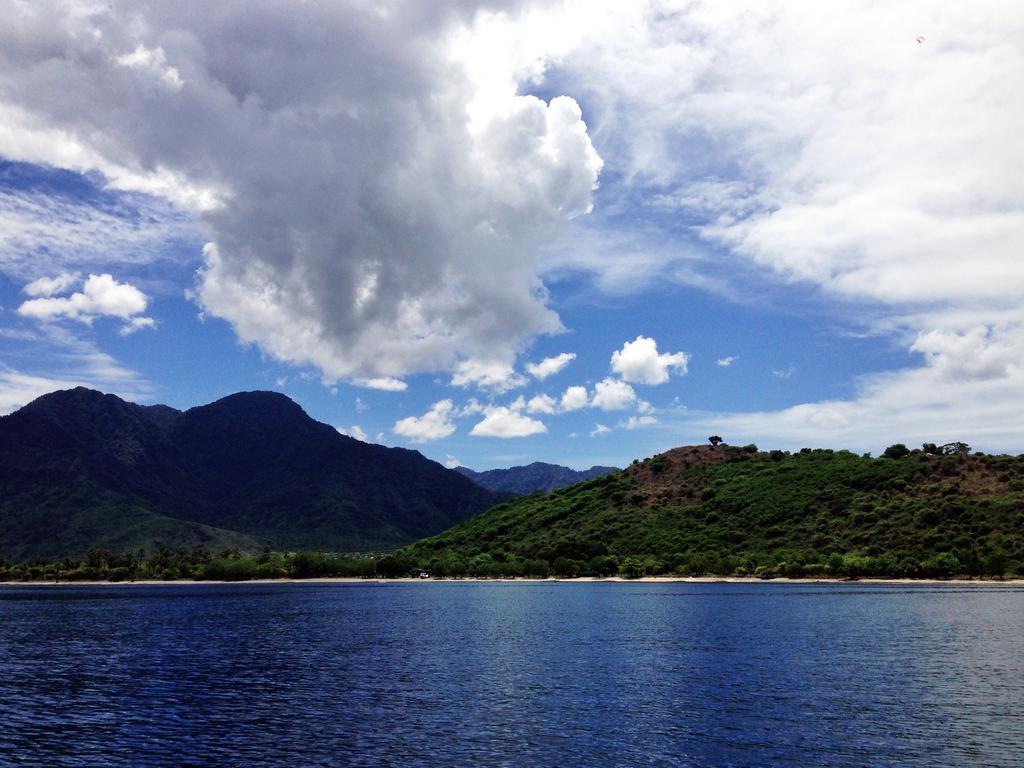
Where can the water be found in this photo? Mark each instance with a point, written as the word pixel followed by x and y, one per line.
pixel 489 674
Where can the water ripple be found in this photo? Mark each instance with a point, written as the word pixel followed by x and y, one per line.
pixel 511 675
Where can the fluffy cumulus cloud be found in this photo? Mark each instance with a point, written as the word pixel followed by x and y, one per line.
pixel 507 421
pixel 101 295
pixel 496 376
pixel 639 362
pixel 549 366
pixel 542 404
pixel 435 424
pixel 613 395
pixel 373 208
pixel 574 398
pixel 726 362
pixel 600 429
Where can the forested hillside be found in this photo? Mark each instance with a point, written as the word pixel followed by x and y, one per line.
pixel 727 510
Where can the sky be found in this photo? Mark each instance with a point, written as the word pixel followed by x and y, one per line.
pixel 576 232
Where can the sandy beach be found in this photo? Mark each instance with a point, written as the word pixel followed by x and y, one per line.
pixel 578 580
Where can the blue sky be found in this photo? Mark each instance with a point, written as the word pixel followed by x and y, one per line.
pixel 798 250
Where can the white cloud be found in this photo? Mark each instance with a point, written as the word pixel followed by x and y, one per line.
pixel 50 286
pixel 613 395
pixel 574 398
pixel 77 363
pixel 911 406
pixel 374 206
pixel 384 383
pixel 354 431
pixel 435 424
pixel 600 429
pixel 28 136
pixel 136 323
pixel 725 362
pixel 635 422
pixel 471 408
pixel 101 296
pixel 644 407
pixel 487 374
pixel 639 362
pixel 507 421
pixel 549 366
pixel 978 353
pixel 851 164
pixel 18 389
pixel 451 462
pixel 542 404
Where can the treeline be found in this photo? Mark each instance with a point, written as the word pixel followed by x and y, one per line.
pixel 231 565
pixel 942 565
pixel 165 564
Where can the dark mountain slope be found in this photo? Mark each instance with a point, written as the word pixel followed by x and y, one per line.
pixel 725 510
pixel 262 462
pixel 79 468
pixel 538 476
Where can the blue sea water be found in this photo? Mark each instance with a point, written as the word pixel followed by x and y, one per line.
pixel 523 674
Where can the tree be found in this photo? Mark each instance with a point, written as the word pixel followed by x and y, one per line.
pixel 715 440
pixel 896 451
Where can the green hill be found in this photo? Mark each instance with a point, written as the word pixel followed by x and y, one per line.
pixel 724 510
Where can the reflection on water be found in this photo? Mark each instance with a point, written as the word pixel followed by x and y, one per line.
pixel 489 674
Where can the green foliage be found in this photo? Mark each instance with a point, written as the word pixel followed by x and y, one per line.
pixel 164 563
pixel 692 511
pixel 815 513
pixel 896 451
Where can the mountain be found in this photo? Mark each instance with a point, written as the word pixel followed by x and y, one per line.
pixel 79 468
pixel 537 476
pixel 727 510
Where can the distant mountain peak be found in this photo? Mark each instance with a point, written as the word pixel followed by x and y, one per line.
pixel 537 476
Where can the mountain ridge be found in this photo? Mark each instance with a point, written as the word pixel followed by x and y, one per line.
pixel 529 478
pixel 81 468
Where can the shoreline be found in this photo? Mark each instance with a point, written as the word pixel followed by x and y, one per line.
pixel 524 580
